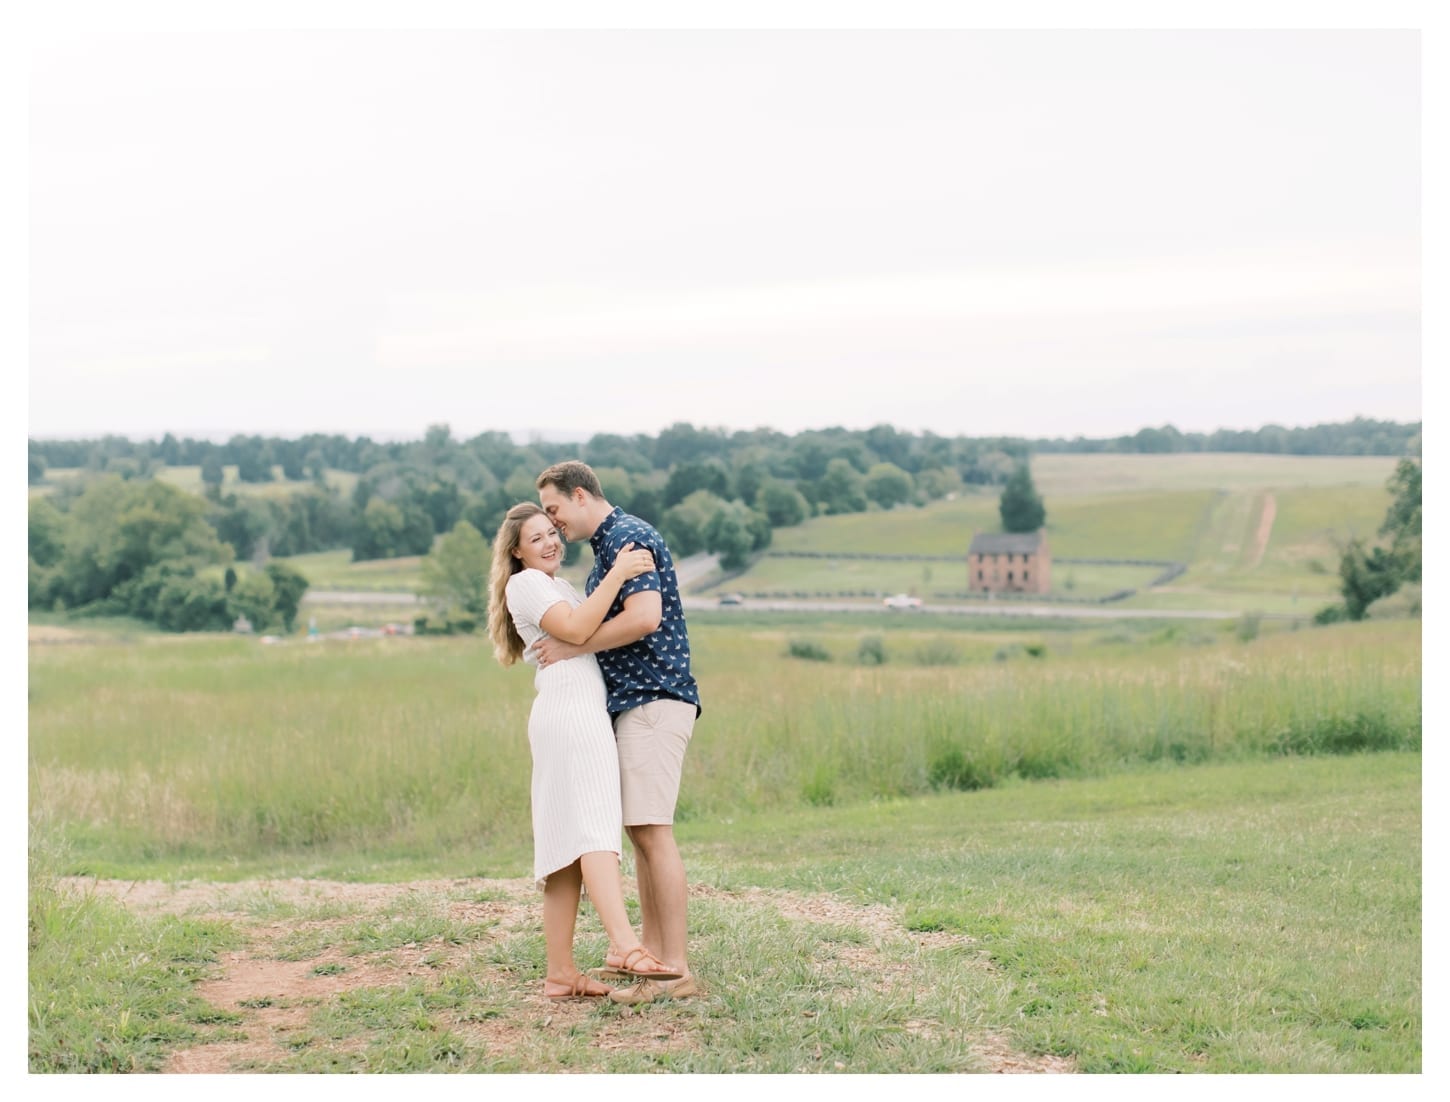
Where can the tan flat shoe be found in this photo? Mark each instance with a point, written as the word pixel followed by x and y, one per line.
pixel 648 991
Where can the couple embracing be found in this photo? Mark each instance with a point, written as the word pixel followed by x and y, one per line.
pixel 615 707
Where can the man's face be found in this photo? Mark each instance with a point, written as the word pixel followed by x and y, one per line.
pixel 568 512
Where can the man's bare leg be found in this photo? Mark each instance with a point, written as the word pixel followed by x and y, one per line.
pixel 663 895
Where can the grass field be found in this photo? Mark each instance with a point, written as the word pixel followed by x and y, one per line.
pixel 1065 476
pixel 189 479
pixel 1055 846
pixel 1258 533
pixel 917 843
pixel 336 570
pixel 173 746
pixel 1253 917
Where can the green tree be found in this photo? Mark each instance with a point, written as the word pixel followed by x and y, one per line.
pixel 1365 577
pixel 734 531
pixel 187 602
pixel 245 521
pixel 456 571
pixel 46 532
pixel 288 586
pixel 1021 508
pixel 888 485
pixel 783 505
pixel 254 597
pixel 687 478
pixel 118 529
pixel 842 488
pixel 37 468
pixel 1403 520
pixel 685 524
pixel 936 483
pixel 379 531
pixel 254 458
pixel 213 474
pixel 1368 573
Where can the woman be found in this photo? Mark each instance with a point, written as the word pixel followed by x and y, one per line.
pixel 575 788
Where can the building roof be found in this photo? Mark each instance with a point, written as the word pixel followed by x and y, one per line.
pixel 1007 543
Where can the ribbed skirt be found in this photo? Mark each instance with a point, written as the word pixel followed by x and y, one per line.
pixel 575 789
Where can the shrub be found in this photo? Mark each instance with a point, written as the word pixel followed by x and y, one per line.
pixel 192 604
pixel 1331 614
pixel 1248 627
pixel 820 789
pixel 937 652
pixel 808 649
pixel 1035 650
pixel 950 768
pixel 871 651
pixel 1346 734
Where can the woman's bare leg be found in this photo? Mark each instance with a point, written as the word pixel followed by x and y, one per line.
pixel 561 907
pixel 600 871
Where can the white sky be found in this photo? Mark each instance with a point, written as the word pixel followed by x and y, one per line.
pixel 1030 232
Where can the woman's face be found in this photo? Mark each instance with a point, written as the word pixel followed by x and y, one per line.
pixel 540 547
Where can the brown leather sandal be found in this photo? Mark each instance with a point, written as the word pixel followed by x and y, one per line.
pixel 578 988
pixel 627 966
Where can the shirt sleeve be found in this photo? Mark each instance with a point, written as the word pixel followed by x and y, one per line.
pixel 651 541
pixel 529 595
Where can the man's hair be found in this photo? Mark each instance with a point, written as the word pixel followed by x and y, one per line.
pixel 569 476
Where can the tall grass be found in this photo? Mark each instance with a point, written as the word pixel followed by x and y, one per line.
pixel 224 747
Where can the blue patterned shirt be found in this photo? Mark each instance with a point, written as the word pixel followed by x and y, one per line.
pixel 656 667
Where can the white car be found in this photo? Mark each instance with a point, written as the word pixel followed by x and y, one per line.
pixel 901 600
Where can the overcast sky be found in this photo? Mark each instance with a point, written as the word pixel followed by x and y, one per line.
pixel 1046 233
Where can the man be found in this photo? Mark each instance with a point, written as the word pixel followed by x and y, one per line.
pixel 644 654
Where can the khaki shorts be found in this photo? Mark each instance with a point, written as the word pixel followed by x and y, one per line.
pixel 652 740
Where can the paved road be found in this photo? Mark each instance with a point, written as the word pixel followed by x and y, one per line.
pixel 688 570
pixel 1003 608
pixel 692 569
pixel 357 597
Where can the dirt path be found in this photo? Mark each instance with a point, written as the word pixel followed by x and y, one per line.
pixel 277 997
pixel 1267 513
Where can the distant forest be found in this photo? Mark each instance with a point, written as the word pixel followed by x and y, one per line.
pixel 682 442
pixel 705 488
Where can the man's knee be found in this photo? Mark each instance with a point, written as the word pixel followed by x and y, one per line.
pixel 651 838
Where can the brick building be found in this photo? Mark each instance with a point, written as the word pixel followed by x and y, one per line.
pixel 1010 562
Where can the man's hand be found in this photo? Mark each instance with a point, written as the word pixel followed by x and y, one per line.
pixel 549 650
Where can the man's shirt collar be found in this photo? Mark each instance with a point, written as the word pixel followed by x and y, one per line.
pixel 596 541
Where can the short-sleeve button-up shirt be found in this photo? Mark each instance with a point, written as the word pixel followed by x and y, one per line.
pixel 656 667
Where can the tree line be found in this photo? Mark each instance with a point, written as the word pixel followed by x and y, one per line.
pixel 977 459
pixel 706 489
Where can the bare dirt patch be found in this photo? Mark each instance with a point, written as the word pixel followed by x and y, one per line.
pixel 1269 511
pixel 276 998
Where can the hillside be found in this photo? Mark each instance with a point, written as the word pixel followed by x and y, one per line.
pixel 1256 532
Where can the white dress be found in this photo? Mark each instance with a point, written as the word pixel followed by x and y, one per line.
pixel 575 789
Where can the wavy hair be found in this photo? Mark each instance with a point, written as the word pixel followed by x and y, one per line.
pixel 508 644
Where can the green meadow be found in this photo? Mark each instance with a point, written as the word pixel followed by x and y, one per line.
pixel 188 478
pixel 916 842
pixel 1257 533
pixel 222 748
pixel 1091 847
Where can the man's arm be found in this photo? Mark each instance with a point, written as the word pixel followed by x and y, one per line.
pixel 639 617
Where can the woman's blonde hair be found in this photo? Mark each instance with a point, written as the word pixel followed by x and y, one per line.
pixel 508 644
